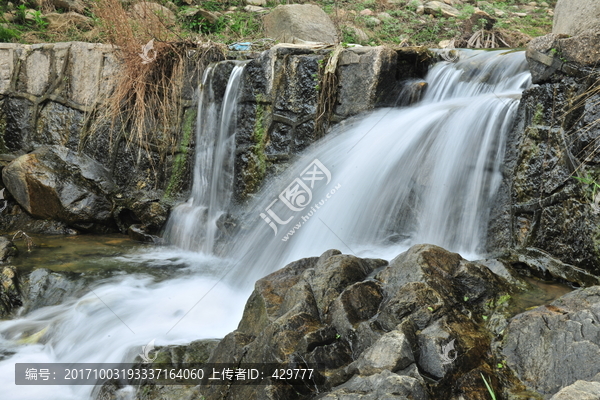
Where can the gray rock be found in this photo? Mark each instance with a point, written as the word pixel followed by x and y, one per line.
pixel 56 183
pixel 391 352
pixel 137 233
pixel 554 346
pixel 385 385
pixel 539 204
pixel 10 291
pixel 552 53
pixel 256 9
pixel 548 267
pixel 573 17
pixel 151 12
pixel 304 22
pixel 7 249
pixel 440 8
pixel 69 5
pixel 432 359
pixel 47 288
pixel 580 390
pixel 64 21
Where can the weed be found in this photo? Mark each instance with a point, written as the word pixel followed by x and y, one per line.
pixel 145 107
pixel 489 388
pixel 244 25
pixel 21 14
pixel 39 20
pixel 591 183
pixel 8 35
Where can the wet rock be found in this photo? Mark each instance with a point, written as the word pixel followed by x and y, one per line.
pixel 552 347
pixel 47 288
pixel 7 249
pixel 10 291
pixel 299 22
pixel 57 183
pixel 15 219
pixel 372 328
pixel 540 204
pixel 546 267
pixel 368 73
pixel 573 17
pixel 135 232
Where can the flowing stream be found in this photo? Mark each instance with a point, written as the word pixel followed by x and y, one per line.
pixel 375 185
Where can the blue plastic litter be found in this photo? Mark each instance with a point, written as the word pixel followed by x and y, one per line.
pixel 240 46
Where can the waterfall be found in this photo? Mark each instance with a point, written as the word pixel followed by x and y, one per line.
pixel 375 185
pixel 194 225
pixel 394 177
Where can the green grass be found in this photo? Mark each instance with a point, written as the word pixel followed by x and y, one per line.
pixel 489 388
pixel 405 27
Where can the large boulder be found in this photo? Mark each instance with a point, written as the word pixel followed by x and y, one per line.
pixel 295 23
pixel 57 183
pixel 573 17
pixel 554 346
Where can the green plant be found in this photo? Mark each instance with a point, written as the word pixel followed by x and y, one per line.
pixel 244 25
pixel 538 117
pixel 489 388
pixel 21 14
pixel 7 34
pixel 39 20
pixel 590 182
pixel 199 24
pixel 348 35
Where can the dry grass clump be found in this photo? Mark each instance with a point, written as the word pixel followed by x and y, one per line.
pixel 145 106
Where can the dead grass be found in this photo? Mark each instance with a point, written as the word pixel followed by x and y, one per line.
pixel 145 106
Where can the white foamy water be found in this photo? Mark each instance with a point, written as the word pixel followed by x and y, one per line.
pixel 384 181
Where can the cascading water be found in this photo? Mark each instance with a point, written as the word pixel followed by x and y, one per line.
pixel 396 177
pixel 374 186
pixel 193 225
